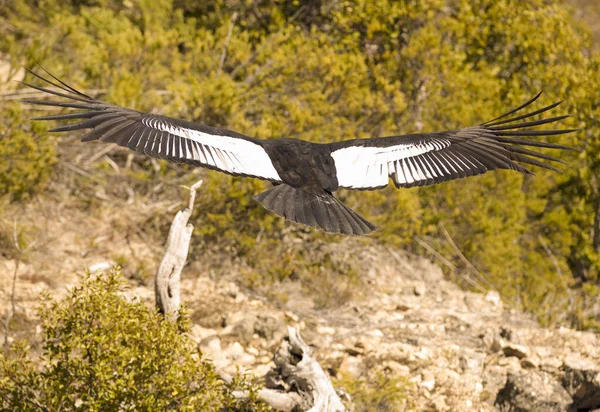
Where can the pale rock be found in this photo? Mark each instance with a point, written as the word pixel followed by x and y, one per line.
pixel 423 353
pixel 210 344
pixel 352 365
pixel 510 363
pixel 101 266
pixel 246 359
pixel 261 370
pixel 291 316
pixel 530 362
pixel 252 351
pixel 446 377
pixel 532 391
pixel 428 384
pixel 468 364
pixel 420 289
pixel 581 379
pixel 439 404
pixel 396 368
pixel 550 364
pixel 363 343
pixel 198 332
pixel 494 298
pixel 354 351
pixel 403 307
pixel 235 350
pixel 576 362
pixel 375 333
pixel 512 349
pixel 325 330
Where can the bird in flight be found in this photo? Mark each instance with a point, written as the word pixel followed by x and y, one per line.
pixel 305 175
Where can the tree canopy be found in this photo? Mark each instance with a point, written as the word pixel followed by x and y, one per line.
pixel 326 70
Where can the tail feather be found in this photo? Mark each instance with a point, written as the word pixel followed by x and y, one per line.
pixel 314 208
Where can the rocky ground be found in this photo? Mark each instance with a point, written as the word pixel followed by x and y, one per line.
pixel 446 348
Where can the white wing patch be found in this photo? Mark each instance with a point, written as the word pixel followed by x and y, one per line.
pixel 226 153
pixel 369 167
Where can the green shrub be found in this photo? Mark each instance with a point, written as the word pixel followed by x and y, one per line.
pixel 27 157
pixel 102 352
pixel 382 394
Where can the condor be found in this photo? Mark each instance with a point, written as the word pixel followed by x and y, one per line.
pixel 304 174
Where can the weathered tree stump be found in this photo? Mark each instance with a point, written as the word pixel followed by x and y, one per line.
pixel 299 374
pixel 167 280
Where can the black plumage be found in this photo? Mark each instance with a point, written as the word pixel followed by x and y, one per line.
pixel 305 174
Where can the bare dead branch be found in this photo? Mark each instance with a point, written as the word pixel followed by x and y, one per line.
pixel 227 39
pixel 166 283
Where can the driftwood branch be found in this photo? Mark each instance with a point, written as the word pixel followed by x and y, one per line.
pixel 302 378
pixel 297 383
pixel 166 283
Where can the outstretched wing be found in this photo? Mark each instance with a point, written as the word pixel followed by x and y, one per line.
pixel 428 159
pixel 158 136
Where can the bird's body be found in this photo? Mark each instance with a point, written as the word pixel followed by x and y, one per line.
pixel 302 164
pixel 306 174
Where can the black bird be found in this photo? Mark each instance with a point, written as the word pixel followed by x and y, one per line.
pixel 306 174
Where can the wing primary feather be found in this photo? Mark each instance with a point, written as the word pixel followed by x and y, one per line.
pixel 126 138
pixel 86 124
pixel 529 160
pixel 112 133
pixel 527 103
pixel 535 132
pixel 68 88
pixel 71 116
pixel 524 116
pixel 497 158
pixel 526 142
pixel 55 93
pixel 518 149
pixel 89 106
pixel 529 124
pixel 100 130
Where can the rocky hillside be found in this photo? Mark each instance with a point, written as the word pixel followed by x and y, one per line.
pixel 410 340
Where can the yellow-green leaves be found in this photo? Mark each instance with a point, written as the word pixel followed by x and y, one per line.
pixel 104 352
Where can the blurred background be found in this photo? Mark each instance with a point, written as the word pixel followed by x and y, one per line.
pixel 320 70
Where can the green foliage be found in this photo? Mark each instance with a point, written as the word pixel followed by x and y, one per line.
pixel 27 156
pixel 382 394
pixel 102 352
pixel 331 70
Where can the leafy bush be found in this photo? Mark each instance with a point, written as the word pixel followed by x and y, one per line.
pixel 103 352
pixel 27 156
pixel 381 394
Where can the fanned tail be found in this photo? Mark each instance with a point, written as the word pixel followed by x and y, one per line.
pixel 314 207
